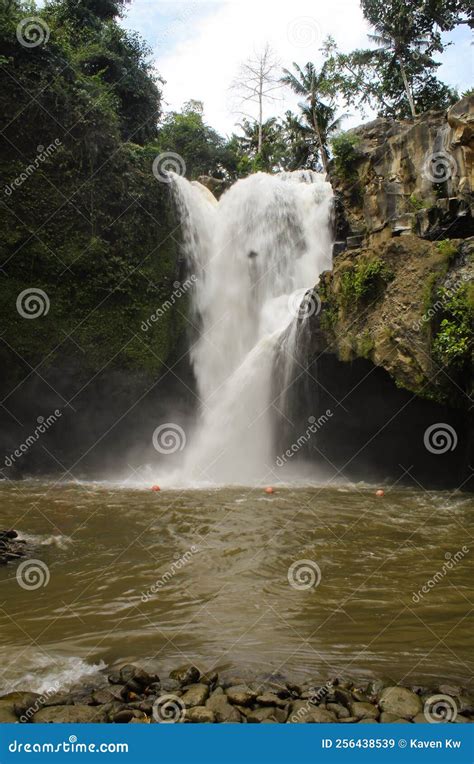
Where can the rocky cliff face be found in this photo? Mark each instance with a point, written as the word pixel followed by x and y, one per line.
pixel 401 292
pixel 407 177
pixel 388 345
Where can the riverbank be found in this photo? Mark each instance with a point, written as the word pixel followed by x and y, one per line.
pixel 131 695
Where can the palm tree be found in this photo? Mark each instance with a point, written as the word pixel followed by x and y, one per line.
pixel 396 46
pixel 317 116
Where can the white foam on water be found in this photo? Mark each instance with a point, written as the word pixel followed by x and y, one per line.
pixel 57 540
pixel 45 673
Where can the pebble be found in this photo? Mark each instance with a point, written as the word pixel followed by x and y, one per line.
pixel 131 693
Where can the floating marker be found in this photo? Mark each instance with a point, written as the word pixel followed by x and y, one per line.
pixel 155 488
pixel 269 489
pixel 380 492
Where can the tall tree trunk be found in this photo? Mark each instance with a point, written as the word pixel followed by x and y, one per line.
pixel 260 117
pixel 408 90
pixel 322 150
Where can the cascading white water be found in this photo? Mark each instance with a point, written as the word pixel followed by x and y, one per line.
pixel 254 253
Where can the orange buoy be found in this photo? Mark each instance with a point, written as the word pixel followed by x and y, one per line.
pixel 269 489
pixel 380 492
pixel 155 488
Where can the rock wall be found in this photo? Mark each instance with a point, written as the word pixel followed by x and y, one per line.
pixel 401 291
pixel 408 177
pixel 392 325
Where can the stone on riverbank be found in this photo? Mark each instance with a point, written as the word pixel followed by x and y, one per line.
pixel 195 695
pixel 400 701
pixel 187 674
pixel 131 695
pixel 200 715
pixel 70 715
pixel 241 695
pixel 223 710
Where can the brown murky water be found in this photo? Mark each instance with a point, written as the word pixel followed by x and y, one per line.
pixel 166 578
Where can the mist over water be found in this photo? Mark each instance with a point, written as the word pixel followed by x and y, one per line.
pixel 254 254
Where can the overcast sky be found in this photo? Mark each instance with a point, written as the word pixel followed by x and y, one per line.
pixel 198 45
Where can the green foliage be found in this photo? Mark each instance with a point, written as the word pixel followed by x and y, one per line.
pixel 364 281
pixel 271 158
pixel 203 150
pixel 365 345
pixel 454 342
pixel 318 117
pixel 344 148
pixel 396 77
pixel 447 248
pixel 90 224
pixel 416 204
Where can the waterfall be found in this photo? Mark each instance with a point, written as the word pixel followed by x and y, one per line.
pixel 254 253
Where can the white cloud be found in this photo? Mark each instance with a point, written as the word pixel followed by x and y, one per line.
pixel 211 39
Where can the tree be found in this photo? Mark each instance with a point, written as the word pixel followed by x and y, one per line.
pixel 203 150
pixel 271 156
pixel 85 10
pixel 317 117
pixel 375 78
pixel 397 77
pixel 256 83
